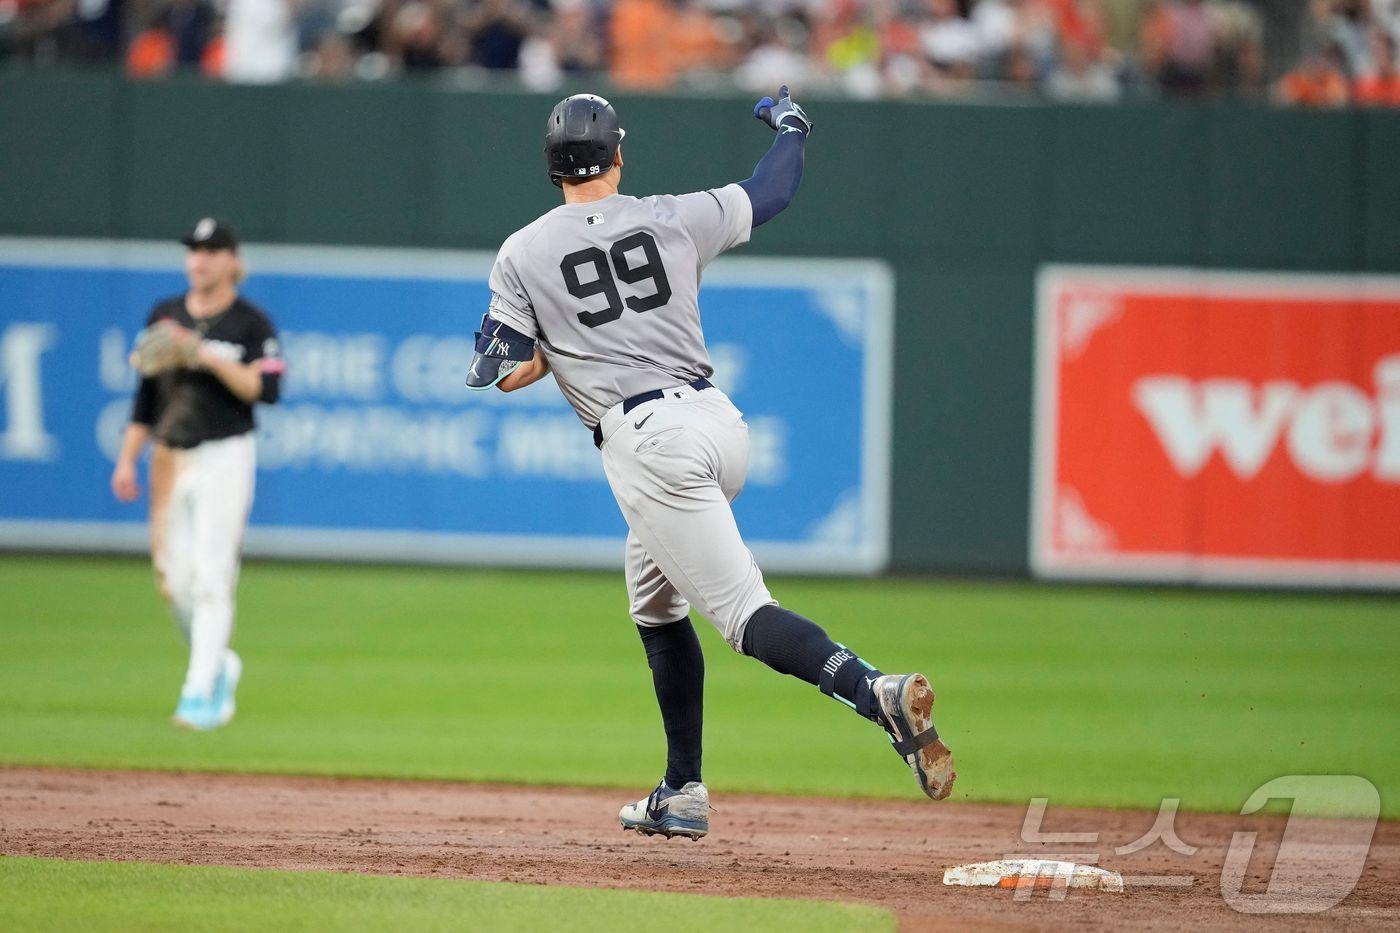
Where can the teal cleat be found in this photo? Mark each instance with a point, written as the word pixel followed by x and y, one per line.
pixel 196 712
pixel 202 713
pixel 226 686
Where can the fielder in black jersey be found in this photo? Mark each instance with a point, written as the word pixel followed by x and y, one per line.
pixel 197 407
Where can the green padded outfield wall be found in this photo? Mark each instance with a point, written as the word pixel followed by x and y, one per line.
pixel 965 201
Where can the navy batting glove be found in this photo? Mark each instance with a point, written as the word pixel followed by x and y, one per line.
pixel 782 114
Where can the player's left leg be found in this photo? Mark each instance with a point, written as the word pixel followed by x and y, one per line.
pixel 222 497
pixel 677 664
pixel 174 553
pixel 680 803
pixel 161 476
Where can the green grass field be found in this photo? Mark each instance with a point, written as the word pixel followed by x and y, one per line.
pixel 58 895
pixel 1087 696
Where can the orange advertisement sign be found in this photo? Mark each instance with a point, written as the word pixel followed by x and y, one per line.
pixel 1217 426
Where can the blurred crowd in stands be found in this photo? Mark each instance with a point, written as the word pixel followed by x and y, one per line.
pixel 1304 52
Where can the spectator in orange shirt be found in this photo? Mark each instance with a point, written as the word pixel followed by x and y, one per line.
pixel 211 60
pixel 151 53
pixel 696 43
pixel 1382 87
pixel 641 43
pixel 1319 82
pixel 1082 23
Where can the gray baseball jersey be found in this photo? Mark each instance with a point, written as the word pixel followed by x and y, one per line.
pixel 609 289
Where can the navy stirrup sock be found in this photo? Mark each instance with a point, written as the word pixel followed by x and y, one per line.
pixel 790 644
pixel 678 674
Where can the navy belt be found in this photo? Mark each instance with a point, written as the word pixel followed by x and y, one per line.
pixel 641 398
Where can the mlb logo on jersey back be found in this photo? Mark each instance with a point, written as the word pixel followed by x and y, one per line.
pixel 594 219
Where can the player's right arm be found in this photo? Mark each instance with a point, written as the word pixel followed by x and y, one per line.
pixel 507 355
pixel 526 373
pixel 124 484
pixel 144 411
pixel 501 353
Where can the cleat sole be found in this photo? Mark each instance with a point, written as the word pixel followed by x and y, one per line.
pixel 934 763
pixel 669 828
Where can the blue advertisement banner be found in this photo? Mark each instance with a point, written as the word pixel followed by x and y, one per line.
pixel 378 452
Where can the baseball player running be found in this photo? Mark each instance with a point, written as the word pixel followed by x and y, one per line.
pixel 205 358
pixel 602 291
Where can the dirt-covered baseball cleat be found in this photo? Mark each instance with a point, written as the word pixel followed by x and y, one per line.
pixel 668 812
pixel 906 705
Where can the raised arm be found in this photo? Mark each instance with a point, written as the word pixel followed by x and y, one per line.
pixel 776 177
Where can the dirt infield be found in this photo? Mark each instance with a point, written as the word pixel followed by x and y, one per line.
pixel 887 853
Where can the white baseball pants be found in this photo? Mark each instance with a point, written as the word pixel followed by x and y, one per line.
pixel 674 465
pixel 203 543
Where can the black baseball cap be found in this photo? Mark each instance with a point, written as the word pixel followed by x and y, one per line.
pixel 210 233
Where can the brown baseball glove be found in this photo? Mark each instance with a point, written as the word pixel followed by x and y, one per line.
pixel 164 346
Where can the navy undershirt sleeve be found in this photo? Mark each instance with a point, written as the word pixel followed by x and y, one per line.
pixel 271 388
pixel 143 406
pixel 776 177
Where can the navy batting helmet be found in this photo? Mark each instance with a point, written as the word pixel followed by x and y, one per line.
pixel 581 138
